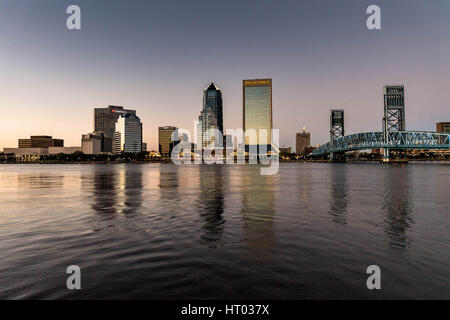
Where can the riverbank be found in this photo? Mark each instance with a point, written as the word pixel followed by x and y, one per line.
pixel 168 161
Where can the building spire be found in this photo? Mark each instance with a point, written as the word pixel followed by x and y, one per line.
pixel 212 86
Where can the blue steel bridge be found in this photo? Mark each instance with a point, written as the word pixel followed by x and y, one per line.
pixel 394 140
pixel 393 136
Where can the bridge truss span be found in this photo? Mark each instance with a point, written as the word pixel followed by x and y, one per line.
pixel 395 140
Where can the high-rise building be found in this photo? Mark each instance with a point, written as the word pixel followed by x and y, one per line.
pixel 257 108
pixel 165 141
pixel 302 142
pixel 105 119
pixel 40 142
pixel 205 129
pixel 212 100
pixel 228 141
pixel 443 127
pixel 128 134
pixel 394 108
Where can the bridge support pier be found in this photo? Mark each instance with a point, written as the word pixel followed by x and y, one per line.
pixel 385 155
pixel 397 156
pixel 337 157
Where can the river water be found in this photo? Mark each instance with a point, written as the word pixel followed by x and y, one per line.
pixel 161 231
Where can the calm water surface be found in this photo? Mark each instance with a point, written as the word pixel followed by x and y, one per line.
pixel 162 231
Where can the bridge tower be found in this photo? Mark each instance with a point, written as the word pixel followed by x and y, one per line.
pixel 336 127
pixel 394 113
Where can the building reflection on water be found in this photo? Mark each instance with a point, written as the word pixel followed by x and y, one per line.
pixel 304 181
pixel 397 205
pixel 39 181
pixel 104 189
pixel 117 189
pixel 130 190
pixel 168 182
pixel 258 208
pixel 211 203
pixel 338 193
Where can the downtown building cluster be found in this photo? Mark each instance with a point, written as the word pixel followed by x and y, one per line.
pixel 117 130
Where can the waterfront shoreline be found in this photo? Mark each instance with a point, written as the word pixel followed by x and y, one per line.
pixel 281 161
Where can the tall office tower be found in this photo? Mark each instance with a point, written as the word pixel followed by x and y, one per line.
pixel 212 100
pixel 165 141
pixel 128 134
pixel 257 108
pixel 302 141
pixel 205 135
pixel 394 108
pixel 105 119
pixel 40 142
pixel 228 141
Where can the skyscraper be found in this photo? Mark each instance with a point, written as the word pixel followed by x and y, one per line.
pixel 302 141
pixel 165 141
pixel 205 135
pixel 128 134
pixel 105 120
pixel 212 100
pixel 257 108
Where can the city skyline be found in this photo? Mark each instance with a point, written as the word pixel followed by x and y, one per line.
pixel 51 85
pixel 203 152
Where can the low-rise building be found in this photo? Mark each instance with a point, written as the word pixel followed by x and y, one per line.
pixel 96 143
pixel 40 142
pixel 26 154
pixel 284 149
pixel 65 150
pixel 443 127
pixel 91 143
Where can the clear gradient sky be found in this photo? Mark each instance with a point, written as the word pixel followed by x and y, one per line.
pixel 158 56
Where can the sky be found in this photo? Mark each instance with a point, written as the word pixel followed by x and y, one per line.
pixel 158 56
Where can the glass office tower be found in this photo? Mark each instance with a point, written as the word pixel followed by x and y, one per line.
pixel 212 100
pixel 205 133
pixel 105 120
pixel 257 109
pixel 128 134
pixel 165 141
